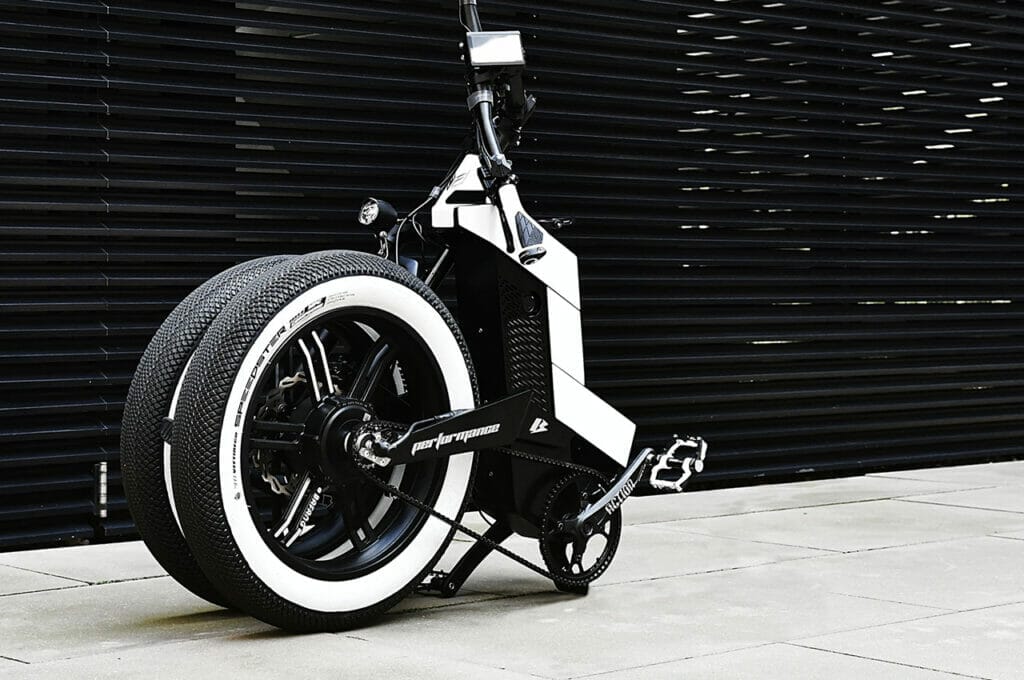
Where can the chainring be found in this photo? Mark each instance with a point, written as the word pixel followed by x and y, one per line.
pixel 565 552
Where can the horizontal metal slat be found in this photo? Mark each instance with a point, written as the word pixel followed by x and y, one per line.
pixel 770 254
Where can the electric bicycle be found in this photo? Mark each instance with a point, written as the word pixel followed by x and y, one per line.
pixel 304 433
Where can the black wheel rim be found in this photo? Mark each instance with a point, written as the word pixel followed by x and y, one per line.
pixel 356 529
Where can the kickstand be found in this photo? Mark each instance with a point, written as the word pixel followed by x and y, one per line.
pixel 447 584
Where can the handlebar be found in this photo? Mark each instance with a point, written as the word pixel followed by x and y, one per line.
pixel 470 15
pixel 481 100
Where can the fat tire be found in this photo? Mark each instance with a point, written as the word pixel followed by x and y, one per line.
pixel 205 396
pixel 148 403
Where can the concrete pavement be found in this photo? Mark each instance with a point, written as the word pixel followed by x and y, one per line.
pixel 914 574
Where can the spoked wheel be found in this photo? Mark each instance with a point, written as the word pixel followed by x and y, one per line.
pixel 153 396
pixel 278 513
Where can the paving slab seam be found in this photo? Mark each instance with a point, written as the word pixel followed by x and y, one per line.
pixel 831 553
pixel 769 510
pixel 894 497
pixel 1008 538
pixel 690 532
pixel 951 539
pixel 11 658
pixel 685 658
pixel 956 505
pixel 827 555
pixel 945 610
pixel 721 652
pixel 890 475
pixel 969 610
pixel 912 619
pixel 81 584
pixel 711 571
pixel 889 661
pixel 44 590
pixel 45 573
pixel 497 595
pixel 855 551
pixel 228 637
pixel 128 580
pixel 959 489
pixel 938 615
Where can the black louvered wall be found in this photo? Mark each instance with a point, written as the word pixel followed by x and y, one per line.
pixel 799 222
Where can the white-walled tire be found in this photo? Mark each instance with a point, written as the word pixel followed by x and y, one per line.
pixel 234 483
pixel 152 396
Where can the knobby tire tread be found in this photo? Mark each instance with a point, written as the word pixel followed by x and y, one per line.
pixel 149 398
pixel 203 402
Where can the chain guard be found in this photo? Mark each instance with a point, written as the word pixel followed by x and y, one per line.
pixel 565 550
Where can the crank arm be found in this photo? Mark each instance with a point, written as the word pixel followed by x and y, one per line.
pixel 492 426
pixel 667 471
pixel 600 510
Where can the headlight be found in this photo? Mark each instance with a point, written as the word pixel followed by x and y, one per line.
pixel 378 215
pixel 369 212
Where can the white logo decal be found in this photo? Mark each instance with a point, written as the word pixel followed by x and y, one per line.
pixel 539 425
pixel 621 497
pixel 440 440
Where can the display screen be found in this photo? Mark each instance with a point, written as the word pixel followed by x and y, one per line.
pixel 495 48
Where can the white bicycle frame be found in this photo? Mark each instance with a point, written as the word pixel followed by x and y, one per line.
pixel 574 404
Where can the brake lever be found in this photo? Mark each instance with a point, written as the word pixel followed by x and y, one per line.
pixel 556 223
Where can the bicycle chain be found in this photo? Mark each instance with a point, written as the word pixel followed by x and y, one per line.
pixel 480 538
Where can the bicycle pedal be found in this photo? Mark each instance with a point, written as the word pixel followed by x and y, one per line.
pixel 433 584
pixel 674 468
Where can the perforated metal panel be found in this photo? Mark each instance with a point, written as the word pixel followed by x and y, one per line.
pixel 528 368
pixel 798 222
